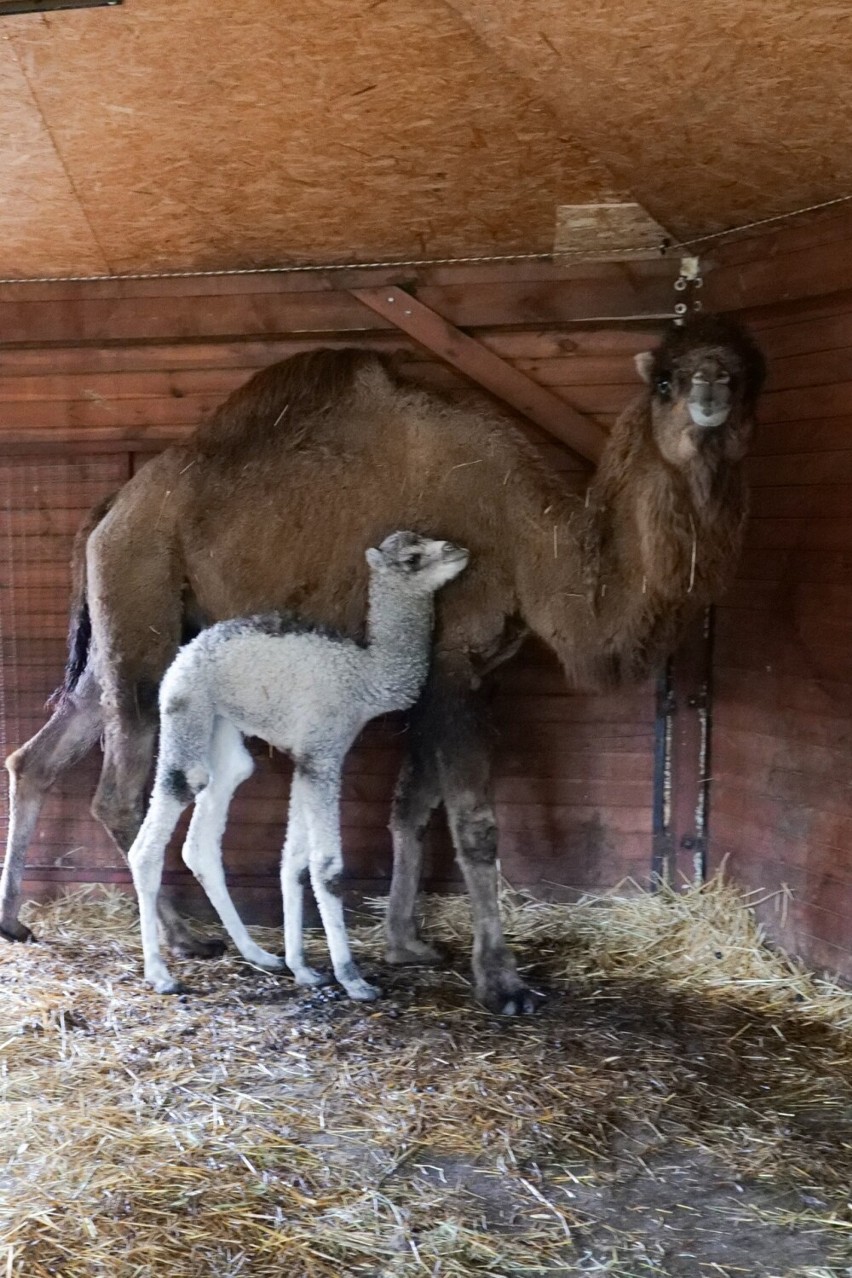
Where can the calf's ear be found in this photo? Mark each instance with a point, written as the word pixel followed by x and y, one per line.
pixel 373 557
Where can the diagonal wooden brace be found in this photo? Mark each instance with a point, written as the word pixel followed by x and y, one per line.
pixel 536 402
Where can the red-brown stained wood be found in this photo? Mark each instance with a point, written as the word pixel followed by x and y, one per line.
pixel 283 311
pixel 573 772
pixel 487 369
pixel 781 814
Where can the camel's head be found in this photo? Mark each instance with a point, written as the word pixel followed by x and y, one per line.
pixel 422 564
pixel 703 381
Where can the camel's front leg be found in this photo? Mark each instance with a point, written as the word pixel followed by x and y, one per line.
pixel 464 768
pixel 319 800
pixel 416 796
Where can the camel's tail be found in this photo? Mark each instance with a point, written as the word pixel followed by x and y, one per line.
pixel 80 623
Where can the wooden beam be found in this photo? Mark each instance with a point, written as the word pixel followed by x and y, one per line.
pixel 278 306
pixel 642 283
pixel 537 403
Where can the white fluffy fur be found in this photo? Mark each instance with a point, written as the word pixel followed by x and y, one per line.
pixel 305 692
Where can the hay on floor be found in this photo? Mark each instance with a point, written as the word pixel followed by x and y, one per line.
pixel 682 1105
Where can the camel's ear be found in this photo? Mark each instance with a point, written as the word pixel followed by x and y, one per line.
pixel 373 557
pixel 644 362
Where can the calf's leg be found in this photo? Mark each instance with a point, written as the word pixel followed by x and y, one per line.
pixel 295 875
pixel 230 765
pixel 130 730
pixel 146 865
pixel 318 795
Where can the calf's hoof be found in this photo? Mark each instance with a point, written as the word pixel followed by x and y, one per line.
pixel 310 977
pixel 169 986
pixel 16 931
pixel 362 991
pixel 355 985
pixel 413 953
pixel 196 947
pixel 270 963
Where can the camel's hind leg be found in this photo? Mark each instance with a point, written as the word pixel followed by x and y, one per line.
pixel 67 737
pixel 134 598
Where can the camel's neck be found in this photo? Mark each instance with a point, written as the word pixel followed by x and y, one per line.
pixel 609 583
pixel 399 641
pixel 674 530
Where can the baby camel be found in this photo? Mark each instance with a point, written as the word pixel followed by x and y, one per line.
pixel 302 689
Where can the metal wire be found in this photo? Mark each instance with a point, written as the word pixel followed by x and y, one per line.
pixel 762 221
pixel 668 246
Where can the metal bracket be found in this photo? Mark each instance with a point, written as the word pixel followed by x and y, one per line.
pixel 689 280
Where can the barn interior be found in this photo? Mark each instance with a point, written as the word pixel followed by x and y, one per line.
pixel 514 197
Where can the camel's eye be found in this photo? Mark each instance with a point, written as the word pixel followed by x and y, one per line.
pixel 663 387
pixel 413 559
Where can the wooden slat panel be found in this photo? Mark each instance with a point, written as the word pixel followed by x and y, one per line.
pixel 780 271
pixel 204 290
pixel 464 353
pixel 782 767
pixel 573 786
pixel 88 318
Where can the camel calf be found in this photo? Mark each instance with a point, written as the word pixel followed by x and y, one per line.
pixel 305 690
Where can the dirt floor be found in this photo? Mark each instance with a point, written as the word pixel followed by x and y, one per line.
pixel 660 1115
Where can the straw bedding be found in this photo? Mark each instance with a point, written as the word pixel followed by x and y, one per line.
pixel 682 1105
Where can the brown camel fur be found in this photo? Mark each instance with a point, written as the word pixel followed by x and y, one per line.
pixel 271 504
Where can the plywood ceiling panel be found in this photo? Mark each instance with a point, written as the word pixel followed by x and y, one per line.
pixel 239 134
pixel 180 134
pixel 713 113
pixel 43 228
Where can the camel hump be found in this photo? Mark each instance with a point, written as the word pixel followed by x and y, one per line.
pixel 279 402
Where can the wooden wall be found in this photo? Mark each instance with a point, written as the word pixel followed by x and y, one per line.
pixel 782 705
pixel 95 378
pixel 781 767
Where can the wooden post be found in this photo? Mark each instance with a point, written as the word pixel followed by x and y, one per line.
pixel 682 759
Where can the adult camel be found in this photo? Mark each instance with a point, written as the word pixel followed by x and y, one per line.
pixel 270 504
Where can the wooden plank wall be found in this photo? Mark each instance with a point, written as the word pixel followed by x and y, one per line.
pixel 95 378
pixel 781 807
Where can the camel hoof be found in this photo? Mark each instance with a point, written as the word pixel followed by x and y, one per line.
pixel 16 931
pixel 196 947
pixel 506 996
pixel 523 1003
pixel 413 953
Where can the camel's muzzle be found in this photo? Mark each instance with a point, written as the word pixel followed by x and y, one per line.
pixel 709 402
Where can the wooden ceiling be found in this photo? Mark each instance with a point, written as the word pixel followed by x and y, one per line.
pixel 180 134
